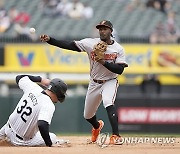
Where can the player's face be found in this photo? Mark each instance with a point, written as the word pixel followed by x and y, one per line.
pixel 105 33
pixel 54 98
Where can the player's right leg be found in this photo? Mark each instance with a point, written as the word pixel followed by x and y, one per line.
pixel 108 96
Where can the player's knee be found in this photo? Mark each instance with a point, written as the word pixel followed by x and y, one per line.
pixel 87 116
pixel 107 103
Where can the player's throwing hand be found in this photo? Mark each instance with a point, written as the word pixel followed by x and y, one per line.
pixel 44 38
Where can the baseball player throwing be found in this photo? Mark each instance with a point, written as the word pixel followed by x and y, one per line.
pixel 28 125
pixel 107 60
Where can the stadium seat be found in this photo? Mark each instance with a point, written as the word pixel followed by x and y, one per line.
pixel 138 22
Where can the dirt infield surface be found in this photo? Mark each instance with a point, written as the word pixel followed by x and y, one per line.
pixel 80 146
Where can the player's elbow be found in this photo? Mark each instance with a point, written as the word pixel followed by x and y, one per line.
pixel 120 71
pixel 18 77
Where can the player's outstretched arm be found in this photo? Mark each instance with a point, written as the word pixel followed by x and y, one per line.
pixel 70 45
pixel 44 131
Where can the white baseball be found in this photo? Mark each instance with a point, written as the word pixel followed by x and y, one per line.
pixel 32 30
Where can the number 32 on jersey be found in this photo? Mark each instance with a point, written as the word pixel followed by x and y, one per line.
pixel 24 110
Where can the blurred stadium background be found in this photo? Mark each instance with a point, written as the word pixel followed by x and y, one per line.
pixel 148 99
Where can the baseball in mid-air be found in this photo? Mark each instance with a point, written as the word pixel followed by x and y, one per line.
pixel 32 30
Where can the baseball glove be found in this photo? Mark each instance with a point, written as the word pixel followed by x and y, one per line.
pixel 99 50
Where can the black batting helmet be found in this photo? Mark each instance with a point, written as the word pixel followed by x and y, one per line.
pixel 58 87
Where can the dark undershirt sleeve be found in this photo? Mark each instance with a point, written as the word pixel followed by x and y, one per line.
pixel 70 45
pixel 32 78
pixel 44 131
pixel 115 68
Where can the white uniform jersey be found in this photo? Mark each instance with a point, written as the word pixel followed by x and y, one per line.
pixel 114 53
pixel 33 106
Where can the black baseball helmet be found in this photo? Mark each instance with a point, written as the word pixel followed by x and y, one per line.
pixel 58 87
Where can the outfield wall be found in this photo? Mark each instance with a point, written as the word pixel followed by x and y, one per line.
pixel 137 112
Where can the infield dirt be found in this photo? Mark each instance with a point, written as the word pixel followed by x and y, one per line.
pixel 80 146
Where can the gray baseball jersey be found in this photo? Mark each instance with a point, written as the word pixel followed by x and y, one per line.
pixel 107 90
pixel 114 53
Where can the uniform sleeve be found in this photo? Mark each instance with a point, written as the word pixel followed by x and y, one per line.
pixel 83 44
pixel 121 57
pixel 26 84
pixel 46 112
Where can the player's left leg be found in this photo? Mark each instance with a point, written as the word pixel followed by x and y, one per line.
pixel 113 119
pixel 108 97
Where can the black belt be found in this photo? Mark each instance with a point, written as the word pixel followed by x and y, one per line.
pixel 99 81
pixel 19 137
pixel 102 81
